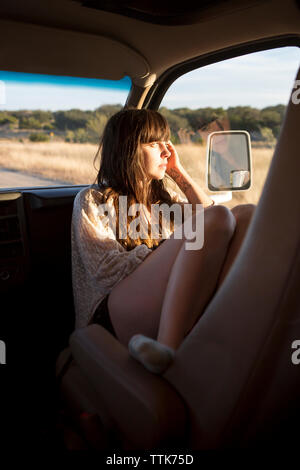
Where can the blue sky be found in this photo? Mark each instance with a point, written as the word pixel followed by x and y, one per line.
pixel 259 79
pixel 33 91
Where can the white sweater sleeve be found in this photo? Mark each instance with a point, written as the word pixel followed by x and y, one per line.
pixel 99 261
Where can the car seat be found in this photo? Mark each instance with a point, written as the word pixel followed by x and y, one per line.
pixel 232 383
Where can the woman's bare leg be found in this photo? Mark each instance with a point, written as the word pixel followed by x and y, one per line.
pixel 147 299
pixel 243 214
pixel 193 280
pixel 135 302
pixel 182 304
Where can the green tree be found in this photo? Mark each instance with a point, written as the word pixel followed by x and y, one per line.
pixel 6 118
pixel 69 137
pixel 175 121
pixel 109 109
pixel 245 118
pixel 201 117
pixel 29 123
pixel 38 137
pixel 43 117
pixel 81 136
pixel 267 135
pixel 95 126
pixel 272 116
pixel 72 119
pixel 48 127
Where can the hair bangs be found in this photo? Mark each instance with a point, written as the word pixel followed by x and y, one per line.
pixel 154 128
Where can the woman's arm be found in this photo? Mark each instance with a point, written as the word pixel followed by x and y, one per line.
pixel 195 195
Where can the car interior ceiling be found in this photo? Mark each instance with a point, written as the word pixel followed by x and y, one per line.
pixel 37 312
pixel 167 13
pixel 56 23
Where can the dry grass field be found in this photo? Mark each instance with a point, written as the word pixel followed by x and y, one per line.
pixel 73 163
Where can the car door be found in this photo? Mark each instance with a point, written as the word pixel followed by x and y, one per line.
pixel 49 135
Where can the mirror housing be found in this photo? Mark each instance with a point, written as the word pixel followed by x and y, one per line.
pixel 229 161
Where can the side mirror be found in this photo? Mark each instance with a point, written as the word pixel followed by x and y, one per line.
pixel 229 161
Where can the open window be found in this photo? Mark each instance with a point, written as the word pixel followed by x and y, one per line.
pixel 50 127
pixel 248 93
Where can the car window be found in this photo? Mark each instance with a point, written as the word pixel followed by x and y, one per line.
pixel 243 93
pixel 50 127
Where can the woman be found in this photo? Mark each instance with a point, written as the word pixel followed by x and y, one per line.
pixel 148 292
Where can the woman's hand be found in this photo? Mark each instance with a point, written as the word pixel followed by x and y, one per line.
pixel 174 166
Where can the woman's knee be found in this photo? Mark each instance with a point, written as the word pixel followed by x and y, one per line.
pixel 219 217
pixel 216 226
pixel 243 212
pixel 220 220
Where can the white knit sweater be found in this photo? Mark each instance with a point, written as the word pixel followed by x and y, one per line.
pixel 99 261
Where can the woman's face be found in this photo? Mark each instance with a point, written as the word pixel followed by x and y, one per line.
pixel 156 156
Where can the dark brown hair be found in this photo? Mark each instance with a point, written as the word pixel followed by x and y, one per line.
pixel 121 164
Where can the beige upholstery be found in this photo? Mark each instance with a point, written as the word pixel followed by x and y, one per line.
pixel 239 353
pixel 146 410
pixel 232 380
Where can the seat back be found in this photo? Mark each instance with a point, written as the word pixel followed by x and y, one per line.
pixel 234 369
pixel 141 408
